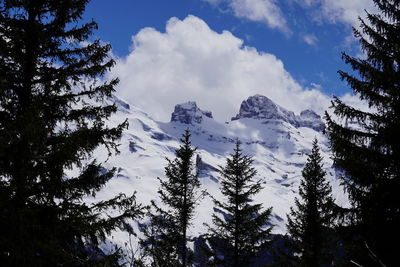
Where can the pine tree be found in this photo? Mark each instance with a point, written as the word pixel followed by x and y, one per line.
pixel 160 240
pixel 166 236
pixel 242 232
pixel 53 112
pixel 309 222
pixel 369 154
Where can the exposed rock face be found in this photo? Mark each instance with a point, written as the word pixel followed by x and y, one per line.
pixel 310 119
pixel 189 113
pixel 262 108
pixel 255 107
pixel 309 114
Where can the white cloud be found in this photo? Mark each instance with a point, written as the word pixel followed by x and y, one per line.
pixel 347 11
pixel 192 62
pixel 354 101
pixel 310 39
pixel 265 11
pixel 342 11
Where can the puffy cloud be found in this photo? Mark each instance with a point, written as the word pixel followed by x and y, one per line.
pixel 343 11
pixel 265 11
pixel 189 61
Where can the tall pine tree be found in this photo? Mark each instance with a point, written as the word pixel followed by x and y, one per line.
pixel 241 233
pixel 309 223
pixel 165 242
pixel 52 117
pixel 369 154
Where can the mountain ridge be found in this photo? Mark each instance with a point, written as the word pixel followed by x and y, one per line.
pixel 279 150
pixel 254 107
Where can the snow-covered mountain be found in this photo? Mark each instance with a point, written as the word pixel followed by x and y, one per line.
pixel 276 138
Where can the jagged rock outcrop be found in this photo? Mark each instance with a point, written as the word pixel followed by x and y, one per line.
pixel 308 118
pixel 262 108
pixel 189 113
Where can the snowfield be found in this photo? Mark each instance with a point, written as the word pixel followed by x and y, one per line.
pixel 277 139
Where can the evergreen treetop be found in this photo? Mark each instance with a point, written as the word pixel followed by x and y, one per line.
pixel 309 221
pixel 166 237
pixel 243 231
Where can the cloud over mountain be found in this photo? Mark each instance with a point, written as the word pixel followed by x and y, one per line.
pixel 190 61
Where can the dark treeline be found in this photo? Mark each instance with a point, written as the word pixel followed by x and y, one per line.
pixel 54 105
pixel 236 238
pixel 52 117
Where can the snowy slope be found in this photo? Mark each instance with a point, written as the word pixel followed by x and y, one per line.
pixel 277 139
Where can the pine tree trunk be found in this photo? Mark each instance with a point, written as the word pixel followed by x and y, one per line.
pixel 24 96
pixel 236 252
pixel 185 222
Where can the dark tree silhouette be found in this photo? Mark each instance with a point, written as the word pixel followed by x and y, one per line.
pixel 369 154
pixel 312 217
pixel 166 237
pixel 53 108
pixel 242 232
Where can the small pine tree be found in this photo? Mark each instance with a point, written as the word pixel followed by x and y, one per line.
pixel 160 240
pixel 53 113
pixel 242 232
pixel 165 241
pixel 369 154
pixel 309 221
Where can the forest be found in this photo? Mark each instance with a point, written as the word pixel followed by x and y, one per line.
pixel 55 103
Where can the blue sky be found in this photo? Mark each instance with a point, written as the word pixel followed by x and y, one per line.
pixel 306 36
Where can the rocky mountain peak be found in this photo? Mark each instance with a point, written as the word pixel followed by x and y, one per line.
pixel 261 107
pixel 309 114
pixel 189 113
pixel 308 118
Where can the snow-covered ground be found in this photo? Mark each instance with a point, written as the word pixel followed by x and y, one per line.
pixel 277 139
